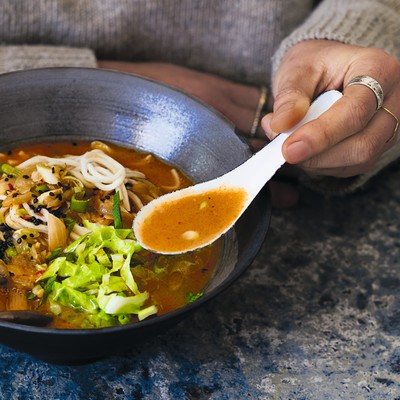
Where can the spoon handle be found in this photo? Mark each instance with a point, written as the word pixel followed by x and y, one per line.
pixel 260 168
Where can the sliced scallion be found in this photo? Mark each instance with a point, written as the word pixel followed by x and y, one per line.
pixel 41 188
pixel 116 211
pixel 9 170
pixel 79 205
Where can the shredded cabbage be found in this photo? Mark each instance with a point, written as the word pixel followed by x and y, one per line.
pixel 93 275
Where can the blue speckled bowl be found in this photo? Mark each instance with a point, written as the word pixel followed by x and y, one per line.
pixel 71 103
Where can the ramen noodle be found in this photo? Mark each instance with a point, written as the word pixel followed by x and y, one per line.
pixel 67 249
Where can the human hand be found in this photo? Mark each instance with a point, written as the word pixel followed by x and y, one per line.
pixel 348 139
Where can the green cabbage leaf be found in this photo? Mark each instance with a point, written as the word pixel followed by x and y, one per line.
pixel 93 276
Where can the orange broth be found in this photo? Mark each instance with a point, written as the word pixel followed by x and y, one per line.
pixel 191 221
pixel 172 281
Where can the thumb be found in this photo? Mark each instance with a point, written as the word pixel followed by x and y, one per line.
pixel 290 106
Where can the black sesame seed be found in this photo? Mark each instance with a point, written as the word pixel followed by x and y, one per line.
pixel 25 176
pixel 19 240
pixel 31 235
pixel 24 237
pixel 35 200
pixel 51 194
pixel 14 195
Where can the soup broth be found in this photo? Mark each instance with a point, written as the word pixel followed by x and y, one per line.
pixel 66 244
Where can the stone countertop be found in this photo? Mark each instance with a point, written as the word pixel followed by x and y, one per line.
pixel 316 316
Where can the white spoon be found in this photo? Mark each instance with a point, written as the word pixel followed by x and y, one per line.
pixel 196 216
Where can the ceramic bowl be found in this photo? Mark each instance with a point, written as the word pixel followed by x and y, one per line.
pixel 59 104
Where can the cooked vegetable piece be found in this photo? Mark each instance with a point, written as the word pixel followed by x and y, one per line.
pixel 99 281
pixel 9 170
pixel 79 205
pixel 116 210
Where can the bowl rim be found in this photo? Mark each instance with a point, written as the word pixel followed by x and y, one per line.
pixel 108 71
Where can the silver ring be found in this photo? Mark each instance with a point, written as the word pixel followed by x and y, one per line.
pixel 372 84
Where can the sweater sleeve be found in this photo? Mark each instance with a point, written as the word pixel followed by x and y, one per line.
pixel 14 58
pixel 367 23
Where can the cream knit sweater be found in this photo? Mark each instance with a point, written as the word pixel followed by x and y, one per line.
pixel 242 40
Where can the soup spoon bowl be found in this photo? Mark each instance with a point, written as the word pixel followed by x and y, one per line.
pixel 196 216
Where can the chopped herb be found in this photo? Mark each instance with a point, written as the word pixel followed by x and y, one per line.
pixel 30 296
pixel 193 297
pixel 116 211
pixel 79 205
pixel 69 223
pixel 9 170
pixel 41 188
pixel 56 253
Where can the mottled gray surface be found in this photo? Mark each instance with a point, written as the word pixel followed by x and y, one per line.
pixel 315 317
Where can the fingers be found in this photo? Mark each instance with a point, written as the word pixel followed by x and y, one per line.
pixel 396 124
pixel 289 108
pixel 247 108
pixel 347 117
pixel 357 153
pixel 349 138
pixel 294 86
pixel 242 117
pixel 292 100
pixel 236 101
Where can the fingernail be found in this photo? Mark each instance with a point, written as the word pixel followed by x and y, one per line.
pixel 296 152
pixel 265 124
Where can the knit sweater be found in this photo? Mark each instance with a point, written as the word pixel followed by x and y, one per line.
pixel 243 40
